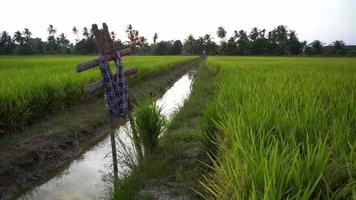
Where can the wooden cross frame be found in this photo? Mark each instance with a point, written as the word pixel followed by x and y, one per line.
pixel 103 38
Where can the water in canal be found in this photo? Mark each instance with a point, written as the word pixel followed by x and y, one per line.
pixel 89 177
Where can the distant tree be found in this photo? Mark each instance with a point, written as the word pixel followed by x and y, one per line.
pixel 27 35
pixel 86 46
pixel 113 35
pixel 86 33
pixel 18 38
pixel 134 39
pixel 211 47
pixel 163 48
pixel 258 42
pixel 254 34
pixel 294 46
pixel 63 43
pixel 75 32
pixel 118 44
pixel 132 35
pixel 190 45
pixel 231 48
pixel 141 41
pixel 37 46
pixel 200 42
pixel 305 48
pixel 317 47
pixel 278 40
pixel 221 33
pixel 155 37
pixel 243 42
pixel 26 46
pixel 52 46
pixel 6 44
pixel 176 48
pixel 339 47
pixel 207 37
pixel 51 30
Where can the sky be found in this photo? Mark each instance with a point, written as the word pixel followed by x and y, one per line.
pixel 326 20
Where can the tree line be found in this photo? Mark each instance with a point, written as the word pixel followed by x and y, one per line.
pixel 279 41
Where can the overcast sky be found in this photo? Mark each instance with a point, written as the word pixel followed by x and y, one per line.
pixel 327 20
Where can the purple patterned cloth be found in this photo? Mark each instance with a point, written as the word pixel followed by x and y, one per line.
pixel 116 88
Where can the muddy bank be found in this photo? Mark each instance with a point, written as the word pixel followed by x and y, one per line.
pixel 47 147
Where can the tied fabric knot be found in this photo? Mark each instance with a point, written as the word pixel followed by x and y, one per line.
pixel 116 87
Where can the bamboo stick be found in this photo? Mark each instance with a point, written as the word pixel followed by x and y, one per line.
pixel 93 63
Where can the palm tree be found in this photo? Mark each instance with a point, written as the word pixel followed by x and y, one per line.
pixel 241 35
pixel 317 46
pixel 18 37
pixel 86 32
pixel 190 45
pixel 254 34
pixel 51 30
pixel 63 39
pixel 63 42
pixel 142 41
pixel 133 36
pixel 27 34
pixel 75 32
pixel 221 33
pixel 155 37
pixel 129 28
pixel 113 35
pixel 338 46
pixel 207 37
pixel 6 44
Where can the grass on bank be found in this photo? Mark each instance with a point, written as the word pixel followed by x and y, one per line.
pixel 177 162
pixel 150 123
pixel 286 128
pixel 33 86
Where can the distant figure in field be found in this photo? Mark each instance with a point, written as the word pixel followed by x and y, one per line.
pixel 203 54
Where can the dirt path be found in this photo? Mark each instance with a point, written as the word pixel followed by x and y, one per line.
pixel 34 156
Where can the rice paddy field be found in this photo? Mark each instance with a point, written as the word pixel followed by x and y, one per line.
pixel 282 128
pixel 33 86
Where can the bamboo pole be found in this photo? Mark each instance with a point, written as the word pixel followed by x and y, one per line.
pixel 136 138
pixel 113 149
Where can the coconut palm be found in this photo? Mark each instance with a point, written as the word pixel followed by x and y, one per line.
pixel 75 32
pixel 338 44
pixel 51 30
pixel 155 37
pixel 317 47
pixel 63 39
pixel 142 41
pixel 221 33
pixel 27 34
pixel 133 36
pixel 18 37
pixel 207 37
pixel 254 34
pixel 113 35
pixel 86 32
pixel 6 43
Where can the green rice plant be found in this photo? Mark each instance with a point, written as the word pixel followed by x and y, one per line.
pixel 32 87
pixel 150 123
pixel 286 128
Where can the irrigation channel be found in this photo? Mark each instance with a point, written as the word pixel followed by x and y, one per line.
pixel 90 176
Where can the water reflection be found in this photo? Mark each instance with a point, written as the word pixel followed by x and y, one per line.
pixel 90 177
